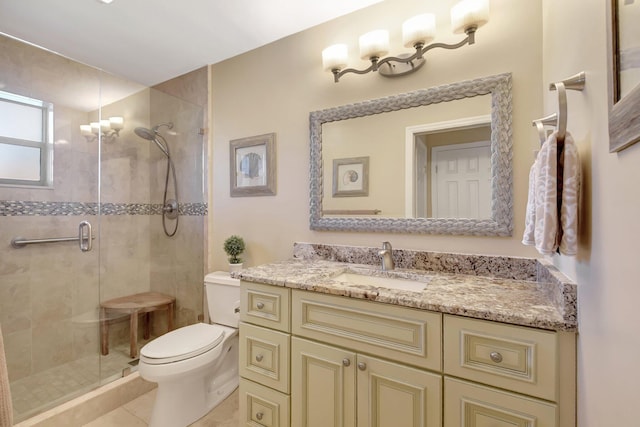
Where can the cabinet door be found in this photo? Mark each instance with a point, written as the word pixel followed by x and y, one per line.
pixel 472 405
pixel 395 395
pixel 261 406
pixel 265 305
pixel 264 356
pixel 322 385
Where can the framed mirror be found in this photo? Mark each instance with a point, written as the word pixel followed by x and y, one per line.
pixel 466 114
pixel 624 126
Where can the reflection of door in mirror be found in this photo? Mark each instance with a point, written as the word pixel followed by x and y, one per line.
pixel 448 169
pixel 462 181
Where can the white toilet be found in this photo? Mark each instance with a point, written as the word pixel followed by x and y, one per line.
pixel 196 366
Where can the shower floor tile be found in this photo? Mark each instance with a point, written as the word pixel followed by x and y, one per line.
pixel 39 392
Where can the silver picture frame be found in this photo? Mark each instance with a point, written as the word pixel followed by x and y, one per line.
pixel 351 177
pixel 253 166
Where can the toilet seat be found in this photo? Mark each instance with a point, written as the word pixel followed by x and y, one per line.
pixel 181 344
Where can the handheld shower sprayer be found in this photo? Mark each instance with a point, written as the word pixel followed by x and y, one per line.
pixel 169 206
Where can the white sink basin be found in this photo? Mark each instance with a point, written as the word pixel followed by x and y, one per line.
pixel 381 282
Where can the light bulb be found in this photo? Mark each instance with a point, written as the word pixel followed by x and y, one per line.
pixel 374 44
pixel 420 29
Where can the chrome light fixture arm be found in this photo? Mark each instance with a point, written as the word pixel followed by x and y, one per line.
pixel 409 63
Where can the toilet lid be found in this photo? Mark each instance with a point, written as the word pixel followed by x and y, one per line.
pixel 183 343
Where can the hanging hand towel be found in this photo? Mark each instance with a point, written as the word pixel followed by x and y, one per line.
pixel 6 408
pixel 545 227
pixel 571 180
pixel 530 218
pixel 542 207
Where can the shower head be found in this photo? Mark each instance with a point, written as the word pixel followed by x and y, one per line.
pixel 152 135
pixel 145 133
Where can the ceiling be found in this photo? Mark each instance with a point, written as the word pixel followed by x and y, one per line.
pixel 151 41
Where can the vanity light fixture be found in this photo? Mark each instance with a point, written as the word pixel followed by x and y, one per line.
pixel 107 129
pixel 466 16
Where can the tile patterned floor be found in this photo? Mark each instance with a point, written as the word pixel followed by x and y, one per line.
pixel 138 412
pixel 39 392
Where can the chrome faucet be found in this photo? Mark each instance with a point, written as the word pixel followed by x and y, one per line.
pixel 387 256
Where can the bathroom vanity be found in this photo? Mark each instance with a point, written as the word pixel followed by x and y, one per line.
pixel 324 342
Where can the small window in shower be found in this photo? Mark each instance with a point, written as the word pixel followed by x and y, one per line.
pixel 26 141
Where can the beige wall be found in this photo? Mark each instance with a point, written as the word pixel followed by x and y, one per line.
pixel 273 89
pixel 606 268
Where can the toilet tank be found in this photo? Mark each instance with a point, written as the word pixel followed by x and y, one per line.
pixel 223 298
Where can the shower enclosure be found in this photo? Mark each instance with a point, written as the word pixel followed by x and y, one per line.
pixel 50 293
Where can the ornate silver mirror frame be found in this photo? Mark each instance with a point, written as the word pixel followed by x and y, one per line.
pixel 501 222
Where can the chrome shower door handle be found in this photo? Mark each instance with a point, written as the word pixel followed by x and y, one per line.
pixel 85 240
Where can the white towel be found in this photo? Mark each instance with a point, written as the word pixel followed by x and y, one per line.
pixel 548 229
pixel 572 178
pixel 6 408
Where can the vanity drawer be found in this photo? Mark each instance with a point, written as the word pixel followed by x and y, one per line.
pixel 264 356
pixel 265 305
pixel 468 404
pixel 512 357
pixel 262 406
pixel 408 335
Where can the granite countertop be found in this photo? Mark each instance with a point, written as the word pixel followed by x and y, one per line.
pixel 530 302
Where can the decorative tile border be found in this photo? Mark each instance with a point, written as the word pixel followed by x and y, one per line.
pixel 35 208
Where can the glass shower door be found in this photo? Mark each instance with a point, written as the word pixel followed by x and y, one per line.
pixel 49 209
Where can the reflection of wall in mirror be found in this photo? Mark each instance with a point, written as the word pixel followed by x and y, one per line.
pixel 382 138
pixel 629 45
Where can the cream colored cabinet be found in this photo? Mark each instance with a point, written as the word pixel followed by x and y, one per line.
pixel 265 305
pixel 337 387
pixel 323 385
pixel 262 406
pixel 359 372
pixel 309 359
pixel 531 371
pixel 403 334
pixel 264 356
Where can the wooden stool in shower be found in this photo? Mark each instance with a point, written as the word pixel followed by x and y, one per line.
pixel 133 305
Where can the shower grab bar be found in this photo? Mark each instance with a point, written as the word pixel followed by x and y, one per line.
pixel 83 240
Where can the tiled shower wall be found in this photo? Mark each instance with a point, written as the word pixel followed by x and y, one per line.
pixel 49 294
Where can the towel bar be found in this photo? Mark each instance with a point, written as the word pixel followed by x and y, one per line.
pixel 575 82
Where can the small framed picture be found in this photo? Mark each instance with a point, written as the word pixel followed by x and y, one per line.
pixel 253 166
pixel 351 177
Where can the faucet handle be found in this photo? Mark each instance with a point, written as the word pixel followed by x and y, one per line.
pixel 387 256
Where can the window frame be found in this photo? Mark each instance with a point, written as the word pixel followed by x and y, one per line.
pixel 45 144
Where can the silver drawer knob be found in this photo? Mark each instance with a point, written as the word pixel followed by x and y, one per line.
pixel 259 416
pixel 346 362
pixel 259 358
pixel 362 366
pixel 260 305
pixel 495 356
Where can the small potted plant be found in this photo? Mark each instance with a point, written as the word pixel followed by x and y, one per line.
pixel 234 246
